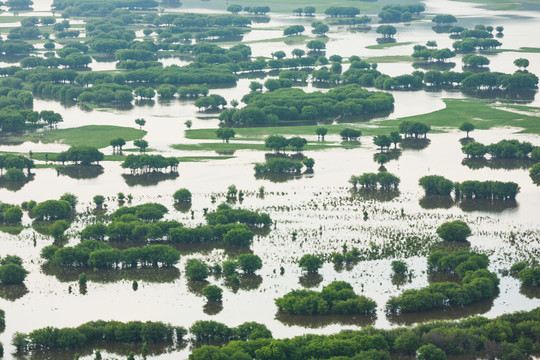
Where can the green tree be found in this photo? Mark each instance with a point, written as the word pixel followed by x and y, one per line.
pixel 467 127
pixel 141 144
pixel 521 63
pixel 140 122
pixel 399 267
pixel 188 124
pixel 456 230
pixel 12 274
pixel 196 270
pixel 212 293
pixel 57 229
pixel 387 31
pixel 430 352
pixel 310 263
pixel 99 200
pixel 182 195
pixel 276 142
pixel 249 263
pixel 225 134
pixel 321 133
pixel 396 138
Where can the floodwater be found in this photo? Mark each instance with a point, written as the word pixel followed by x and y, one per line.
pixel 320 208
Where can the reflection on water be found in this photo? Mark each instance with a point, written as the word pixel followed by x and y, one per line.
pixel 310 280
pixel 151 275
pixel 415 144
pixel 439 66
pixel 319 321
pixel 451 313
pixel 532 292
pixel 280 178
pixel 148 179
pixel 213 307
pixel 12 292
pixel 492 206
pixel 374 194
pixel 15 185
pixel 507 164
pixel 436 202
pixel 12 229
pixel 80 171
pixel 105 348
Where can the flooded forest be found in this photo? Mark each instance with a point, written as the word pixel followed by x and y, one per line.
pixel 236 180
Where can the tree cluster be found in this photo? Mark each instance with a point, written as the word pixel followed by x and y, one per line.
pixel 337 297
pixel 150 163
pixel 385 180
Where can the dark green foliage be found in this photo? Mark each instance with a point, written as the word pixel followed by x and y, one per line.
pixel 92 253
pixel 224 214
pixel 249 263
pixel 336 298
pixel 149 163
pixel 85 155
pixel 416 128
pixel 310 263
pixel 456 230
pixel 52 210
pixel 196 270
pixel 145 212
pixel 11 271
pixel 96 332
pixel 436 185
pixel 430 352
pixel 212 332
pixel 386 180
pixel 490 190
pixel 182 195
pixel 278 166
pixel 399 267
pixel 477 284
pixel 529 275
pixel 396 13
pixel 504 149
pixel 212 293
pixel 18 162
pixel 343 11
pixel 10 214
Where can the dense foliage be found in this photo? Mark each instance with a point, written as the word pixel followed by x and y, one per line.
pixel 11 270
pixel 385 180
pixel 336 298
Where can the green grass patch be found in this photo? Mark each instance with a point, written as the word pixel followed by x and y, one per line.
pixel 388 45
pixel 389 59
pixel 11 19
pixel 98 136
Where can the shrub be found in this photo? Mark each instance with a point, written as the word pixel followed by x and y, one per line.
pixel 456 230
pixel 212 293
pixel 182 195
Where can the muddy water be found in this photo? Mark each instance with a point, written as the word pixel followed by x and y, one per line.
pixel 319 207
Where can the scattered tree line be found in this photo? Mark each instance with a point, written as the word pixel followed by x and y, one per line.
pixel 283 166
pixel 97 254
pixel 397 13
pixel 385 180
pixel 490 190
pixel 509 335
pixel 150 163
pixel 504 149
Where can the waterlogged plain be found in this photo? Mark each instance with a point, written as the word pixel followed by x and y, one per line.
pixel 314 212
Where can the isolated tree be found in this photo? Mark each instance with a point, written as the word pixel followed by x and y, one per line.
pixel 182 195
pixel 255 86
pixel 140 122
pixel 141 144
pixel 310 263
pixel 321 133
pixel 249 263
pixel 396 138
pixel 456 230
pixel 212 293
pixel 99 200
pixel 196 270
pixel 467 127
pixel 387 31
pixel 279 54
pixel 298 53
pixel 188 124
pixel 225 134
pixel 521 63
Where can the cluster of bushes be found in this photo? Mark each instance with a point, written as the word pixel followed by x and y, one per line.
pixel 472 44
pixel 84 155
pixel 385 180
pixel 348 257
pixel 212 332
pixel 293 104
pixel 198 270
pixel 14 164
pixel 92 253
pixel 130 228
pixel 224 214
pixel 508 336
pixel 491 190
pixel 10 214
pixel 336 298
pixel 145 212
pixel 16 108
pixel 11 270
pixel 422 52
pixel 283 166
pixel 477 284
pixel 228 234
pixel 150 163
pixel 504 149
pixel 51 210
pixel 396 13
pixel 96 332
pixel 535 171
pixel 528 274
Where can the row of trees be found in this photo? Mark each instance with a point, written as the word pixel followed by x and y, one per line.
pixel 18 162
pixel 94 333
pixel 92 253
pixel 283 166
pixel 477 284
pixel 337 297
pixel 385 180
pixel 150 163
pixel 490 190
pixel 504 149
pixel 508 335
pixel 226 234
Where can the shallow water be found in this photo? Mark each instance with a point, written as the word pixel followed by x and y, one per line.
pixel 319 207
